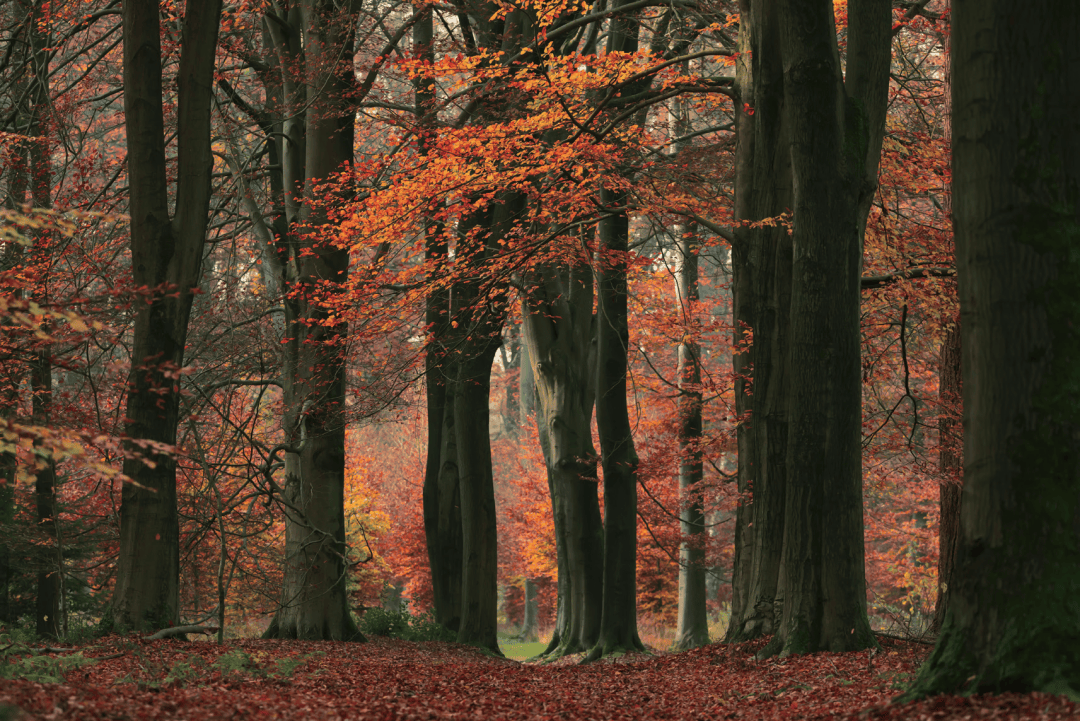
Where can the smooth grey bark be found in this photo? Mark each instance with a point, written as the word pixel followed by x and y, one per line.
pixel 1013 622
pixel 836 134
pixel 166 256
pixel 762 258
pixel 530 624
pixel 692 628
pixel 558 325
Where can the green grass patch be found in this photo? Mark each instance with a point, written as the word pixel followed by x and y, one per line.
pixel 521 651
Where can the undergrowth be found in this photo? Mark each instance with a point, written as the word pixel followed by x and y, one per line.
pixel 403 625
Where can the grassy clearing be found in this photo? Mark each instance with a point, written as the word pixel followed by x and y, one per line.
pixel 521 651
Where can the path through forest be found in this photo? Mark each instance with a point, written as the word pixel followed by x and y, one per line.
pixel 390 679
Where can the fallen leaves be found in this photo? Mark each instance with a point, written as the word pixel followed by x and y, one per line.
pixel 390 679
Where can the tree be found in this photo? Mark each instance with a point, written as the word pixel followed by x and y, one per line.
pixel 317 114
pixel 1013 623
pixel 837 123
pixel 761 258
pixel 166 252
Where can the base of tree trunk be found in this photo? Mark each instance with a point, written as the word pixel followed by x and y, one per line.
pixel 297 629
pixel 1021 663
pixel 614 649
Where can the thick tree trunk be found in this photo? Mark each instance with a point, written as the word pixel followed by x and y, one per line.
pixel 314 603
pixel 167 260
pixel 558 325
pixel 479 576
pixel 1013 622
pixel 763 190
pixel 836 138
pixel 618 623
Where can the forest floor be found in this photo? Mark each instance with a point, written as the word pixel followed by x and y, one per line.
pixel 389 679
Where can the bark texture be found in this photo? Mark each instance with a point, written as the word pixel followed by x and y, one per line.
pixel 166 261
pixel 692 628
pixel 618 622
pixel 763 306
pixel 442 500
pixel 1013 622
pixel 950 466
pixel 836 131
pixel 559 324
pixel 314 605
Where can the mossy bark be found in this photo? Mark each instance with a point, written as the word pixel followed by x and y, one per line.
pixel 1013 622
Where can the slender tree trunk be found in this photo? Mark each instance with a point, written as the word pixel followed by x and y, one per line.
pixel 167 260
pixel 1013 622
pixel 478 334
pixel 693 623
pixel 530 624
pixel 41 382
pixel 442 503
pixel 836 139
pixel 618 623
pixel 950 465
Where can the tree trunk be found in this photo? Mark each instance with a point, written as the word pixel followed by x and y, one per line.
pixel 314 604
pixel 530 624
pixel 478 321
pixel 1013 622
pixel 836 138
pixel 479 577
pixel 558 325
pixel 442 502
pixel 47 613
pixel 763 191
pixel 950 465
pixel 693 623
pixel 618 622
pixel 167 260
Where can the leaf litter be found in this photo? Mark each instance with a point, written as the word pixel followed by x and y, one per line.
pixel 387 679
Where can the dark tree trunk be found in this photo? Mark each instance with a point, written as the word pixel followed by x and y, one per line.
pixel 314 604
pixel 167 260
pixel 558 325
pixel 1013 622
pixel 836 134
pixel 442 502
pixel 949 465
pixel 763 190
pixel 480 317
pixel 479 542
pixel 47 615
pixel 618 622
